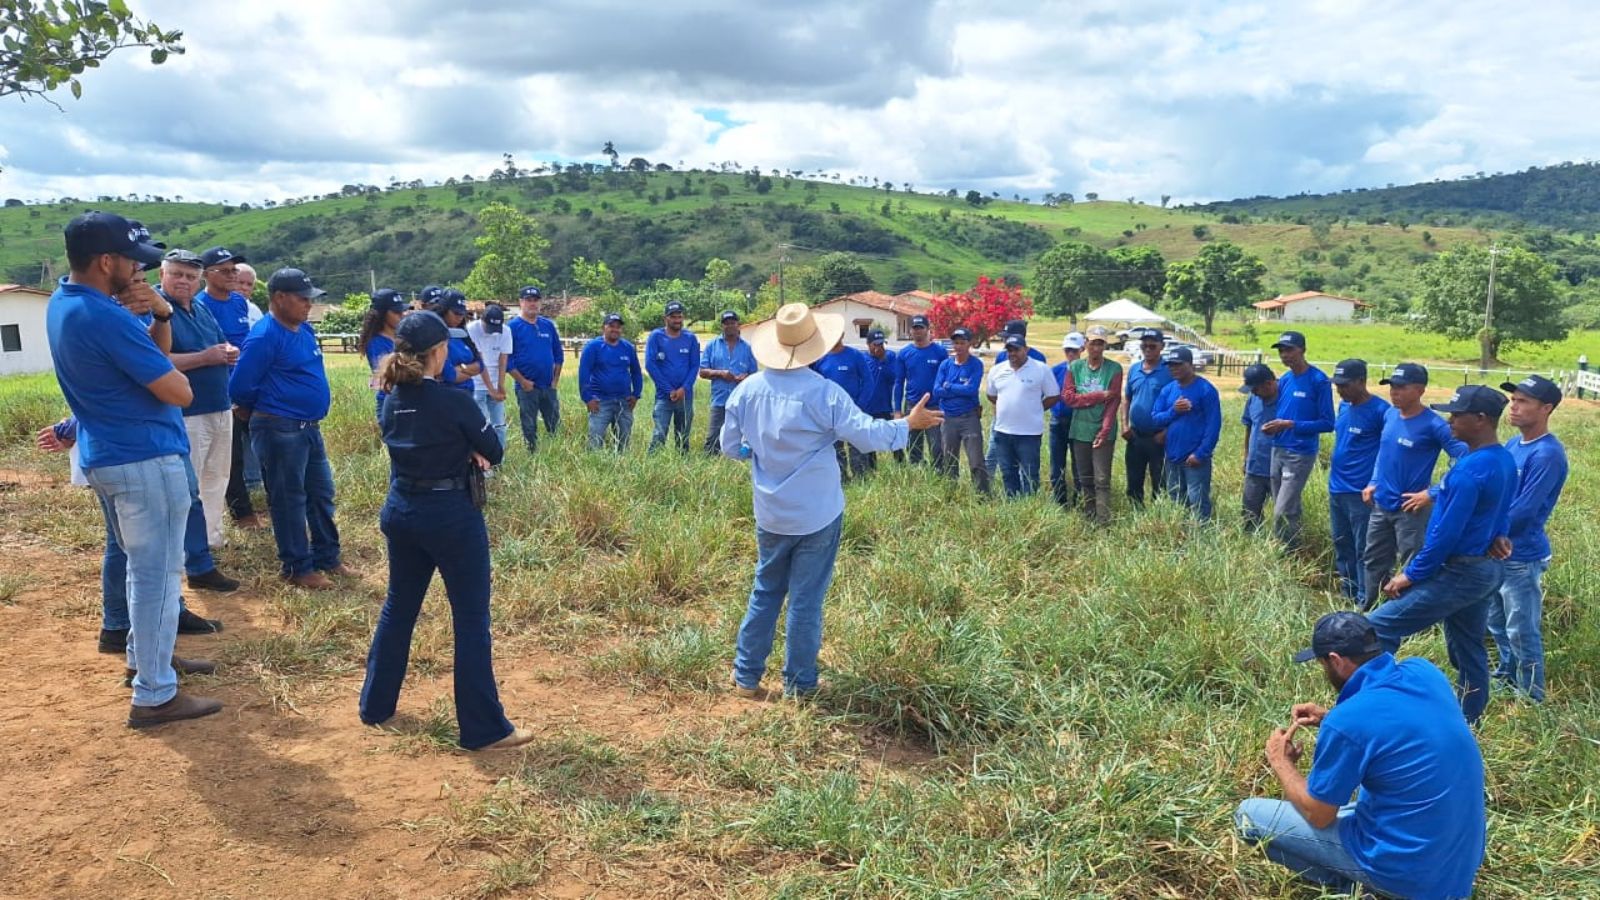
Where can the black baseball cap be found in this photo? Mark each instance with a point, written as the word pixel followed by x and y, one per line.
pixel 919 321
pixel 95 233
pixel 183 258
pixel 1474 398
pixel 430 294
pixel 494 317
pixel 217 256
pixel 1178 355
pixel 1346 633
pixel 293 281
pixel 1015 342
pixel 1017 326
pixel 422 331
pixel 615 318
pixel 1152 334
pixel 875 337
pixel 1290 339
pixel 1350 370
pixel 960 334
pixel 1255 375
pixel 1536 386
pixel 673 309
pixel 728 314
pixel 529 293
pixel 451 300
pixel 389 300
pixel 1407 373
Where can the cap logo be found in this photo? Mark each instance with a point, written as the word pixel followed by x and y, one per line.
pixel 133 235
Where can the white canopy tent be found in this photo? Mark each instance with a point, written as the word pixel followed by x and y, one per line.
pixel 1123 312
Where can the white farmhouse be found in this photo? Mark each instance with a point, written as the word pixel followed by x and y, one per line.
pixel 1309 306
pixel 23 345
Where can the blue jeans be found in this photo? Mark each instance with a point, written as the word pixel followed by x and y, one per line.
pixel 1458 596
pixel 299 492
pixel 411 525
pixel 615 415
pixel 679 416
pixel 1349 516
pixel 148 505
pixel 494 412
pixel 197 558
pixel 1060 472
pixel 1190 486
pixel 1018 457
pixel 1514 614
pixel 531 406
pixel 1315 854
pixel 800 566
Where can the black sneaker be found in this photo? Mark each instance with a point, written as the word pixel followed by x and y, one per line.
pixel 113 640
pixel 214 580
pixel 189 623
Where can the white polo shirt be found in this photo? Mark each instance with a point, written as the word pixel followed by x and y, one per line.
pixel 491 346
pixel 1019 396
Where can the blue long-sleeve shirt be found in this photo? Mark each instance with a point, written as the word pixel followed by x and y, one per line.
pixel 740 360
pixel 1256 414
pixel 887 378
pixel 535 350
pixel 1061 412
pixel 850 369
pixel 609 371
pixel 1306 400
pixel 1142 389
pixel 1541 473
pixel 789 419
pixel 957 384
pixel 460 353
pixel 1356 434
pixel 1474 508
pixel 1407 453
pixel 673 362
pixel 1192 433
pixel 280 372
pixel 921 366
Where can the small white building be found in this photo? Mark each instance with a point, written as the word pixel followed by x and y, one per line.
pixel 862 312
pixel 24 347
pixel 1308 306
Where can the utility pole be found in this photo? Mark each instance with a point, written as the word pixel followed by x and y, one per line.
pixel 372 275
pixel 781 260
pixel 1485 340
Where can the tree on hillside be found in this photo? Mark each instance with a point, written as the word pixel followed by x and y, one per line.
pixel 840 273
pixel 44 45
pixel 511 254
pixel 1141 269
pixel 610 150
pixel 1222 276
pixel 1453 288
pixel 984 310
pixel 1070 276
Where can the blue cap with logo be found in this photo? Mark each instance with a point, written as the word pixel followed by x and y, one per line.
pixel 494 318
pixel 1346 633
pixel 1407 373
pixel 421 331
pixel 430 295
pixel 613 319
pixel 919 321
pixel 1538 387
pixel 875 337
pixel 529 293
pixel 674 309
pixel 452 300
pixel 389 300
pixel 960 334
pixel 1178 355
pixel 217 256
pixel 1290 339
pixel 1016 342
pixel 1474 398
pixel 1152 334
pixel 293 281
pixel 1255 375
pixel 1349 371
pixel 94 233
pixel 728 314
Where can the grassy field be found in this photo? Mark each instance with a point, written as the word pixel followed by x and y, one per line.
pixel 1087 705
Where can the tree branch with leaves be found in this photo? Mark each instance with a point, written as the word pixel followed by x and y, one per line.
pixel 45 44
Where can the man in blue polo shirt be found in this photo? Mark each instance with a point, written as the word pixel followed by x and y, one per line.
pixel 610 383
pixel 281 388
pixel 127 397
pixel 1144 381
pixel 672 357
pixel 920 361
pixel 231 310
pixel 1515 611
pixel 886 376
pixel 956 389
pixel 1453 577
pixel 1356 432
pixel 1190 412
pixel 726 362
pixel 1261 386
pixel 1305 412
pixel 1396 742
pixel 536 359
pixel 1397 492
pixel 850 369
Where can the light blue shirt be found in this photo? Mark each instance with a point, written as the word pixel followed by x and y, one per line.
pixel 716 355
pixel 789 419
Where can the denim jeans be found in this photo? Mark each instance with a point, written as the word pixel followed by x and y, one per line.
pixel 1190 486
pixel 299 492
pixel 801 567
pixel 964 434
pixel 1253 499
pixel 494 412
pixel 1290 472
pixel 1317 855
pixel 1393 537
pixel 1018 458
pixel 615 415
pixel 1060 468
pixel 1348 516
pixel 713 444
pixel 411 525
pixel 1458 596
pixel 1144 455
pixel 148 505
pixel 678 415
pixel 1514 613
pixel 237 493
pixel 197 559
pixel 532 406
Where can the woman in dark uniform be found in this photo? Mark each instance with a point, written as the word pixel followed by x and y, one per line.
pixel 434 434
pixel 377 334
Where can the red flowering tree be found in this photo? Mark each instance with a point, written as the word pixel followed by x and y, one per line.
pixel 984 310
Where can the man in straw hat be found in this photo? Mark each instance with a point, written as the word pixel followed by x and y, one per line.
pixel 784 419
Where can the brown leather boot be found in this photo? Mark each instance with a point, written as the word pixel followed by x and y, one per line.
pixel 181 706
pixel 311 581
pixel 183 666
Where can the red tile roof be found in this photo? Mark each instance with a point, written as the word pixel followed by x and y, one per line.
pixel 1285 299
pixel 22 289
pixel 901 305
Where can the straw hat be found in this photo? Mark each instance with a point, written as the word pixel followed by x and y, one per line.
pixel 798 337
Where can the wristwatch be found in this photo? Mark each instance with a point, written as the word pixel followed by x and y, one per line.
pixel 165 318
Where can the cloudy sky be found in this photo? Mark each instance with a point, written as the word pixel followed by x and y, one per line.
pixel 1199 100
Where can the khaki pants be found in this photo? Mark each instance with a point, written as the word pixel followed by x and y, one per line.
pixel 211 454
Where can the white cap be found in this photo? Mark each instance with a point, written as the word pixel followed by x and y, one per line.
pixel 1073 341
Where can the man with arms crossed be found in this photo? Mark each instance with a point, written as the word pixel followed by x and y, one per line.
pixel 1144 455
pixel 921 360
pixel 726 362
pixel 1305 412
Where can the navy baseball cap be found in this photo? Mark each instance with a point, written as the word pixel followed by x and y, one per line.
pixel 1474 398
pixel 217 256
pixel 1152 334
pixel 1346 633
pixel 1178 355
pixel 1407 373
pixel 95 233
pixel 728 314
pixel 494 317
pixel 674 309
pixel 293 281
pixel 1350 370
pixel 1015 342
pixel 389 300
pixel 875 337
pixel 960 334
pixel 451 300
pixel 1536 386
pixel 183 258
pixel 613 319
pixel 1255 375
pixel 430 294
pixel 1290 339
pixel 919 321
pixel 1017 326
pixel 529 293
pixel 422 331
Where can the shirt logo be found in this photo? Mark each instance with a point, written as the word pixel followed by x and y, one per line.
pixel 1300 394
pixel 1406 442
pixel 1354 430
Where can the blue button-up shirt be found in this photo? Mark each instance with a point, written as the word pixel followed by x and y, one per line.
pixel 789 419
pixel 739 360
